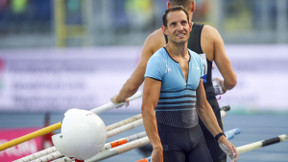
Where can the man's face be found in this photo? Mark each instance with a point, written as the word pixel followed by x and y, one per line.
pixel 178 28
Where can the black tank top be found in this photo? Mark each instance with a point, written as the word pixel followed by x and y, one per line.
pixel 194 43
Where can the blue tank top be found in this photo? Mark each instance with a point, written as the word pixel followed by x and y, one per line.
pixel 177 102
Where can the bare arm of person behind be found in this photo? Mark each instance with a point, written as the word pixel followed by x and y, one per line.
pixel 218 54
pixel 208 117
pixel 151 95
pixel 152 43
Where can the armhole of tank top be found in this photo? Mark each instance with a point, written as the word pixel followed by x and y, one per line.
pixel 166 39
pixel 197 27
pixel 200 34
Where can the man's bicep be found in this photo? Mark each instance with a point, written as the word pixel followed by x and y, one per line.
pixel 200 93
pixel 153 43
pixel 151 91
pixel 223 63
pixel 138 75
pixel 148 48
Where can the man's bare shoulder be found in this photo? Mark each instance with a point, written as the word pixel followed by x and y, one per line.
pixel 155 40
pixel 210 32
pixel 156 35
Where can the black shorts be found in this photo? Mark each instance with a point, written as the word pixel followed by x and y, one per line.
pixel 183 144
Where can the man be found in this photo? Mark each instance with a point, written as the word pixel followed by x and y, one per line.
pixel 203 39
pixel 174 89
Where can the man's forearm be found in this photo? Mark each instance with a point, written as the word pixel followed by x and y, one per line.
pixel 150 125
pixel 132 84
pixel 126 91
pixel 229 84
pixel 208 117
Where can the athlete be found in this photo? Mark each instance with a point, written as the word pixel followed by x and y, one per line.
pixel 174 95
pixel 203 39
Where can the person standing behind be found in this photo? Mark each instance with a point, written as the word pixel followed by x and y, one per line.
pixel 174 95
pixel 203 39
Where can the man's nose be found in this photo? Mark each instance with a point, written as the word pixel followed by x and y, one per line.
pixel 179 27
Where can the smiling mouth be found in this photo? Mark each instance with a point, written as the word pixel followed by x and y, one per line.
pixel 180 35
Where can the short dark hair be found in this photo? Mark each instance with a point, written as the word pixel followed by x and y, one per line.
pixel 177 8
pixel 185 3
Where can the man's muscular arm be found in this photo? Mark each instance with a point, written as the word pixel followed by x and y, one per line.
pixel 152 43
pixel 213 45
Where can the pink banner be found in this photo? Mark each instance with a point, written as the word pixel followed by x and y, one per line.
pixel 20 150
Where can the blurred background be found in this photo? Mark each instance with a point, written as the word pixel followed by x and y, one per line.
pixel 62 54
pixel 62 23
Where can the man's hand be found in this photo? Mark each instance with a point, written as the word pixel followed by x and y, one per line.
pixel 219 87
pixel 114 100
pixel 157 155
pixel 229 149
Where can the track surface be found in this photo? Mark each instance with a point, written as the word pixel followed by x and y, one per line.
pixel 253 128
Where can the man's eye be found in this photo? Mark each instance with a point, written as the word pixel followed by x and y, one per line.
pixel 184 22
pixel 173 24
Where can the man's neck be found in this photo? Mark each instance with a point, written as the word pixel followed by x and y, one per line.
pixel 177 50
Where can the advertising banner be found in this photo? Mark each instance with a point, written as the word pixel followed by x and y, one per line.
pixel 85 78
pixel 262 77
pixel 60 79
pixel 22 149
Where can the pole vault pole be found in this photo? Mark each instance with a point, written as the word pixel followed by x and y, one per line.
pixel 248 147
pixel 114 129
pixel 56 126
pixel 263 143
pixel 30 136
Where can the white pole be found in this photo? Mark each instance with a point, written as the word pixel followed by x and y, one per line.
pixel 124 128
pixel 123 122
pixel 123 141
pixel 64 159
pixel 253 146
pixel 37 155
pixel 120 149
pixel 97 110
pixel 49 157
pixel 110 145
pixel 112 105
pixel 223 113
pixel 56 154
pixel 256 145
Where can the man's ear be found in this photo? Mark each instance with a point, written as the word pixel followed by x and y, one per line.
pixel 168 5
pixel 164 29
pixel 190 26
pixel 193 6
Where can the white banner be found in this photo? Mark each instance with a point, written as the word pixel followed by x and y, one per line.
pixel 60 79
pixel 262 75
